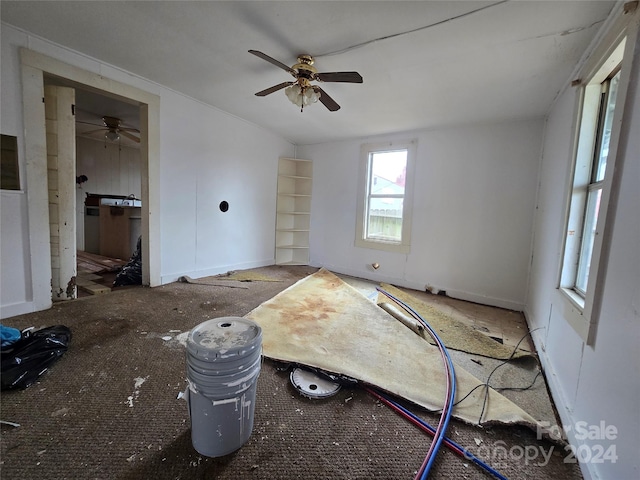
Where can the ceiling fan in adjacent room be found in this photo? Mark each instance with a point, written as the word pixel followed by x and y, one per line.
pixel 301 92
pixel 113 129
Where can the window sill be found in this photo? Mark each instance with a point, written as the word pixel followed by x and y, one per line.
pixel 573 312
pixel 573 297
pixel 386 246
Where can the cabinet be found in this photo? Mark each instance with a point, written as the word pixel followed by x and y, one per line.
pixel 119 230
pixel 293 211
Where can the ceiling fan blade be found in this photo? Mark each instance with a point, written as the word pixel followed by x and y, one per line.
pixel 275 88
pixel 129 136
pixel 103 129
pixel 90 123
pixel 348 77
pixel 326 100
pixel 273 61
pixel 127 129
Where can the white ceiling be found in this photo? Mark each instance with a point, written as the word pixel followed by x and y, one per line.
pixel 503 62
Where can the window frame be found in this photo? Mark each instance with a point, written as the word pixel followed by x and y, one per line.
pixel 615 50
pixel 594 185
pixel 404 245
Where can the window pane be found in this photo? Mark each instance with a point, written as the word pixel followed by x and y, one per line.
pixel 588 236
pixel 387 174
pixel 603 153
pixel 384 219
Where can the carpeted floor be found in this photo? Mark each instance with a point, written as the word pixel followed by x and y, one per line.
pixel 109 409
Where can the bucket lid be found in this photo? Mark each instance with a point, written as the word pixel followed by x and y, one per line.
pixel 224 338
pixel 311 385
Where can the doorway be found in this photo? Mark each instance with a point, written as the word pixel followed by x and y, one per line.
pixel 108 188
pixel 35 68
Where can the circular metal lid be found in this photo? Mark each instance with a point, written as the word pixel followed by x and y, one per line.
pixel 311 385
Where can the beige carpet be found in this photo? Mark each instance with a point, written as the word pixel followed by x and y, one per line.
pixel 453 333
pixel 323 322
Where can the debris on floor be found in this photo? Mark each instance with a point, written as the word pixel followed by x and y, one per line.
pixel 91 268
pixel 314 322
pixel 131 273
pixel 247 276
pixel 311 385
pixel 210 281
pixel 26 359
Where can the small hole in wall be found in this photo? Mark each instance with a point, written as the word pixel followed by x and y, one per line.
pixel 224 206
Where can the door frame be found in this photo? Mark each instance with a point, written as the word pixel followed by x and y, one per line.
pixel 34 66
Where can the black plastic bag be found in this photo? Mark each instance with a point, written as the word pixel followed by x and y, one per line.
pixel 28 358
pixel 131 273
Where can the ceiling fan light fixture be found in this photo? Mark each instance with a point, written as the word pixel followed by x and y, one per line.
pixel 310 96
pixel 301 96
pixel 112 135
pixel 294 94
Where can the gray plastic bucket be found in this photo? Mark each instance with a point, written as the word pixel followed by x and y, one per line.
pixel 223 364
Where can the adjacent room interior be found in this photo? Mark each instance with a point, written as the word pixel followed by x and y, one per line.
pixel 386 189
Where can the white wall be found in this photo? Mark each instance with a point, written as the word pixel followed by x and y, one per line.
pixel 15 269
pixel 475 189
pixel 15 280
pixel 110 168
pixel 206 156
pixel 597 383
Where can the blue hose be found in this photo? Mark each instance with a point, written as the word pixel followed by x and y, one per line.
pixel 445 423
pixel 450 371
pixel 463 450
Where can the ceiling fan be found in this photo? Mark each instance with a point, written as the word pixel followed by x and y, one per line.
pixel 301 92
pixel 113 129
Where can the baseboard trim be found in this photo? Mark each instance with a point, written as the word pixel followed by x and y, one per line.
pixel 207 272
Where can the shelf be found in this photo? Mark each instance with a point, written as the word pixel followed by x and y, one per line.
pixel 293 210
pixel 297 177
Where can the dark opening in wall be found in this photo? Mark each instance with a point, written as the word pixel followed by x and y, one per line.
pixel 9 170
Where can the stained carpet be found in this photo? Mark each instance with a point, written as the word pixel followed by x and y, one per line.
pixel 108 408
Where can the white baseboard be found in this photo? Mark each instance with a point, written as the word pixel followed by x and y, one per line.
pixel 8 311
pixel 173 277
pixel 485 300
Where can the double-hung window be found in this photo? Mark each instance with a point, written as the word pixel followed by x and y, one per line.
pixel 593 189
pixel 602 92
pixel 385 196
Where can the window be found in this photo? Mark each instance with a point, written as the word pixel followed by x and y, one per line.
pixel 600 113
pixel 10 172
pixel 384 207
pixel 606 107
